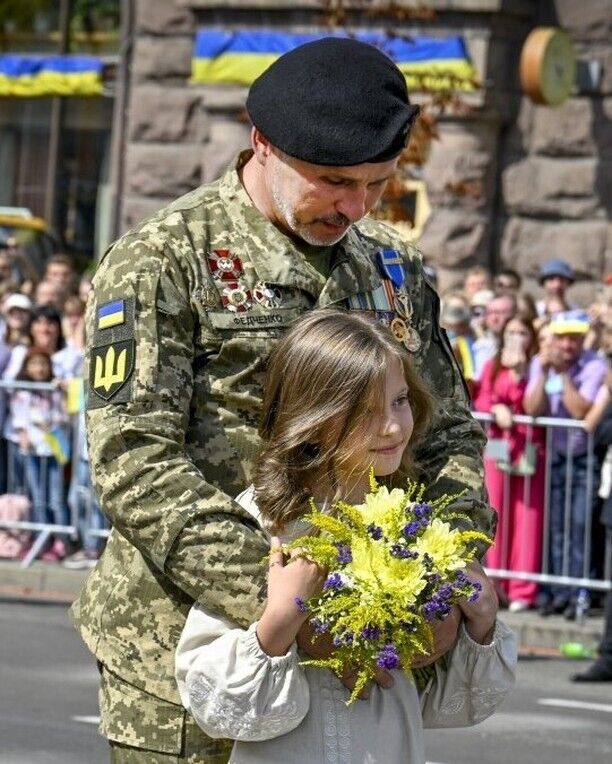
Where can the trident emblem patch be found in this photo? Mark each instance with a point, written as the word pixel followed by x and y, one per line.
pixel 111 367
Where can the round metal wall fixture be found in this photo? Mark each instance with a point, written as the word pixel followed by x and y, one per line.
pixel 548 66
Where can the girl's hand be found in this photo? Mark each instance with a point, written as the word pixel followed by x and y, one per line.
pixel 445 636
pixel 480 615
pixel 282 619
pixel 502 415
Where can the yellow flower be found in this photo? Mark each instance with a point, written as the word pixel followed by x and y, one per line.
pixel 379 572
pixel 443 545
pixel 383 509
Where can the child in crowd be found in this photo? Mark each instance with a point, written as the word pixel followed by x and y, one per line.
pixel 514 467
pixel 341 398
pixel 35 415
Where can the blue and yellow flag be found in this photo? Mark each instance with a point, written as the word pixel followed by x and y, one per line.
pixel 240 56
pixel 28 76
pixel 57 440
pixel 111 314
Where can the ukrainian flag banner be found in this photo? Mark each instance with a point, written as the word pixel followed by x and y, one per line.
pixel 57 440
pixel 28 76
pixel 240 56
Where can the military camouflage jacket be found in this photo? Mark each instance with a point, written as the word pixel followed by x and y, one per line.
pixel 185 310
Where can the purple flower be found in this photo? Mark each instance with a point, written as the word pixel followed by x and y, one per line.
pixel 375 531
pixel 319 626
pixel 476 593
pixel 435 608
pixel 388 658
pixel 348 638
pixel 411 529
pixel 301 605
pixel 371 632
pixel 344 554
pixel 333 581
pixel 397 550
pixel 445 592
pixel 421 511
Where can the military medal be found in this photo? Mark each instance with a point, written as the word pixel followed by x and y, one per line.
pixel 236 297
pixel 208 295
pixel 391 265
pixel 402 303
pixel 269 297
pixel 223 266
pixel 399 329
pixel 412 340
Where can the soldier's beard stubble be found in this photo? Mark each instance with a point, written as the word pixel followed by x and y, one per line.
pixel 298 228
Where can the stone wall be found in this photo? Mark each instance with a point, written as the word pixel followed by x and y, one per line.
pixel 557 166
pixel 179 135
pixel 507 181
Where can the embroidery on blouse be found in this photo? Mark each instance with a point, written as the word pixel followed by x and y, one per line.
pixel 239 720
pixel 336 727
pixel 482 702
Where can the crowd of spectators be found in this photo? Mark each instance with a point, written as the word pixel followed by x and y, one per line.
pixel 545 358
pixel 518 356
pixel 43 452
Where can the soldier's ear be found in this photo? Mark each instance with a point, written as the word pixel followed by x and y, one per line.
pixel 262 148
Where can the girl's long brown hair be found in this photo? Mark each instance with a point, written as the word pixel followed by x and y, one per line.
pixel 323 380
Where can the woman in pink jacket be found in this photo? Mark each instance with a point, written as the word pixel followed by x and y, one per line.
pixel 514 463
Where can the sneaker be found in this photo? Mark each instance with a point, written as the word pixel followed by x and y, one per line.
pixel 518 606
pixel 81 560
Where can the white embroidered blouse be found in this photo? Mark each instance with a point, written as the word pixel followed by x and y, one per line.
pixel 278 711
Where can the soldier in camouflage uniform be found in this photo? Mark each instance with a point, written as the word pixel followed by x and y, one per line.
pixel 185 310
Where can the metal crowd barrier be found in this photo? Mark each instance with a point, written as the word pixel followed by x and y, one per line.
pixel 544 576
pixel 586 580
pixel 16 484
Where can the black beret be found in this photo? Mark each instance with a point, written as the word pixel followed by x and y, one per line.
pixel 335 101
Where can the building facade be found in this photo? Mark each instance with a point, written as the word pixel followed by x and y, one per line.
pixel 506 182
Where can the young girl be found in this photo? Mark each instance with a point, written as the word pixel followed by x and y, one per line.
pixel 341 397
pixel 34 414
pixel 514 480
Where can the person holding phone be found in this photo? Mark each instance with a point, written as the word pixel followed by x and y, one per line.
pixel 513 462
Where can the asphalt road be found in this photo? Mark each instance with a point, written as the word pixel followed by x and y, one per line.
pixel 48 705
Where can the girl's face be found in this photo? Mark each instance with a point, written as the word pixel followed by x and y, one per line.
pixel 517 334
pixel 385 433
pixel 73 321
pixel 38 369
pixel 18 318
pixel 45 334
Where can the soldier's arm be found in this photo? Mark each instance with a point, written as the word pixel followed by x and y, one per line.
pixel 451 454
pixel 138 410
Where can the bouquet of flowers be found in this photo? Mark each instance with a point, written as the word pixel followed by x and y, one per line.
pixel 394 564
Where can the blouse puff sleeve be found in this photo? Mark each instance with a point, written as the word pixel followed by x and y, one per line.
pixel 231 687
pixel 472 682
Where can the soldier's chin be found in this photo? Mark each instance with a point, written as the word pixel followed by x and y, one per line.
pixel 321 234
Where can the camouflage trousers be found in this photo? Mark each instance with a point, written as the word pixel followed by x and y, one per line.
pixel 124 754
pixel 144 729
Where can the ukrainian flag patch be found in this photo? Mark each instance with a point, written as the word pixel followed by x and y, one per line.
pixel 111 314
